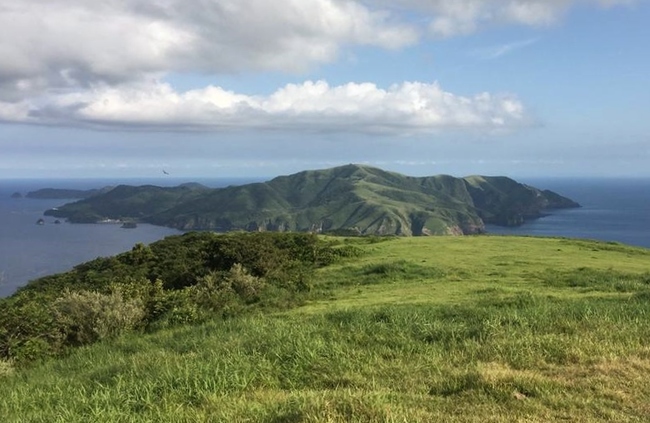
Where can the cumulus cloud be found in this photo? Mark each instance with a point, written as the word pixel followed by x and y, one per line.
pixel 65 44
pixel 71 43
pixel 100 62
pixel 410 107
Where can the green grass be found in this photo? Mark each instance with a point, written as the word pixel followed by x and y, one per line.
pixel 473 329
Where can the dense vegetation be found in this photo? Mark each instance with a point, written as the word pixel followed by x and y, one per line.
pixel 182 279
pixel 465 329
pixel 65 194
pixel 353 198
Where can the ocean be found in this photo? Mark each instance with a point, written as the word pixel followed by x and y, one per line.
pixel 29 251
pixel 613 210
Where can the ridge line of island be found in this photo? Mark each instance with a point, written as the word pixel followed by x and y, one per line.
pixel 345 200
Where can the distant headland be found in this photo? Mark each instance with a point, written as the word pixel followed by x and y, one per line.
pixel 65 194
pixel 347 199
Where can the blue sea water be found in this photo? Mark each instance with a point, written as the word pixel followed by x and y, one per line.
pixel 29 251
pixel 613 210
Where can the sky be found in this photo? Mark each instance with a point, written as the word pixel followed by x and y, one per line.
pixel 256 88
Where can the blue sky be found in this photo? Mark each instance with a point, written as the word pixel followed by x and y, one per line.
pixel 524 88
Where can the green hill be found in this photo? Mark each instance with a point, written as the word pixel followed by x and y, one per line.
pixel 326 329
pixel 352 198
pixel 65 194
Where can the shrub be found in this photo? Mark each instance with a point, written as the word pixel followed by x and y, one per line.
pixel 86 317
pixel 257 252
pixel 283 259
pixel 179 280
pixel 227 292
pixel 25 350
pixel 178 307
pixel 247 286
pixel 152 295
pixel 28 330
pixel 180 259
pixel 6 368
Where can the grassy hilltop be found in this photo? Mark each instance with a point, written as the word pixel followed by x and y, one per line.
pixel 353 199
pixel 454 329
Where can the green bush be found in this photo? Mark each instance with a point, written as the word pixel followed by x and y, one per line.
pixel 179 280
pixel 283 259
pixel 86 317
pixel 6 368
pixel 177 308
pixel 179 261
pixel 25 350
pixel 152 295
pixel 28 329
pixel 226 293
pixel 247 286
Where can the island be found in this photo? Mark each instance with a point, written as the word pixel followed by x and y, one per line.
pixel 16 195
pixel 65 194
pixel 353 199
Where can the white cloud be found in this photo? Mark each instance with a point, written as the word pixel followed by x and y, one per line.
pixel 410 107
pixel 46 44
pixel 66 44
pixel 83 62
pixel 13 112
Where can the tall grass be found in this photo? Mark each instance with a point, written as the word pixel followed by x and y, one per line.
pixel 523 353
pixel 528 345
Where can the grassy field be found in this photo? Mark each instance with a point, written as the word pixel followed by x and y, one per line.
pixel 450 329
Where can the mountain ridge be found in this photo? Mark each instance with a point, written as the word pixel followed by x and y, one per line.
pixel 352 198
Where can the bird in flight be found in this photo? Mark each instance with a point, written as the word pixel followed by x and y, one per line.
pixel 165 172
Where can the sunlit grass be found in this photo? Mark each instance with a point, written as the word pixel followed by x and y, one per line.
pixel 418 330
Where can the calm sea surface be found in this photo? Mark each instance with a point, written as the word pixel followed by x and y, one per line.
pixel 29 251
pixel 613 210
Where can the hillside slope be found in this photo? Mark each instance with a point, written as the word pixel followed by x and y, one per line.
pixel 527 330
pixel 353 198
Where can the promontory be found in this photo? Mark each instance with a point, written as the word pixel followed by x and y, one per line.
pixel 347 199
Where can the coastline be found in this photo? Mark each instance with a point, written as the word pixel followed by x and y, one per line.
pixel 613 210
